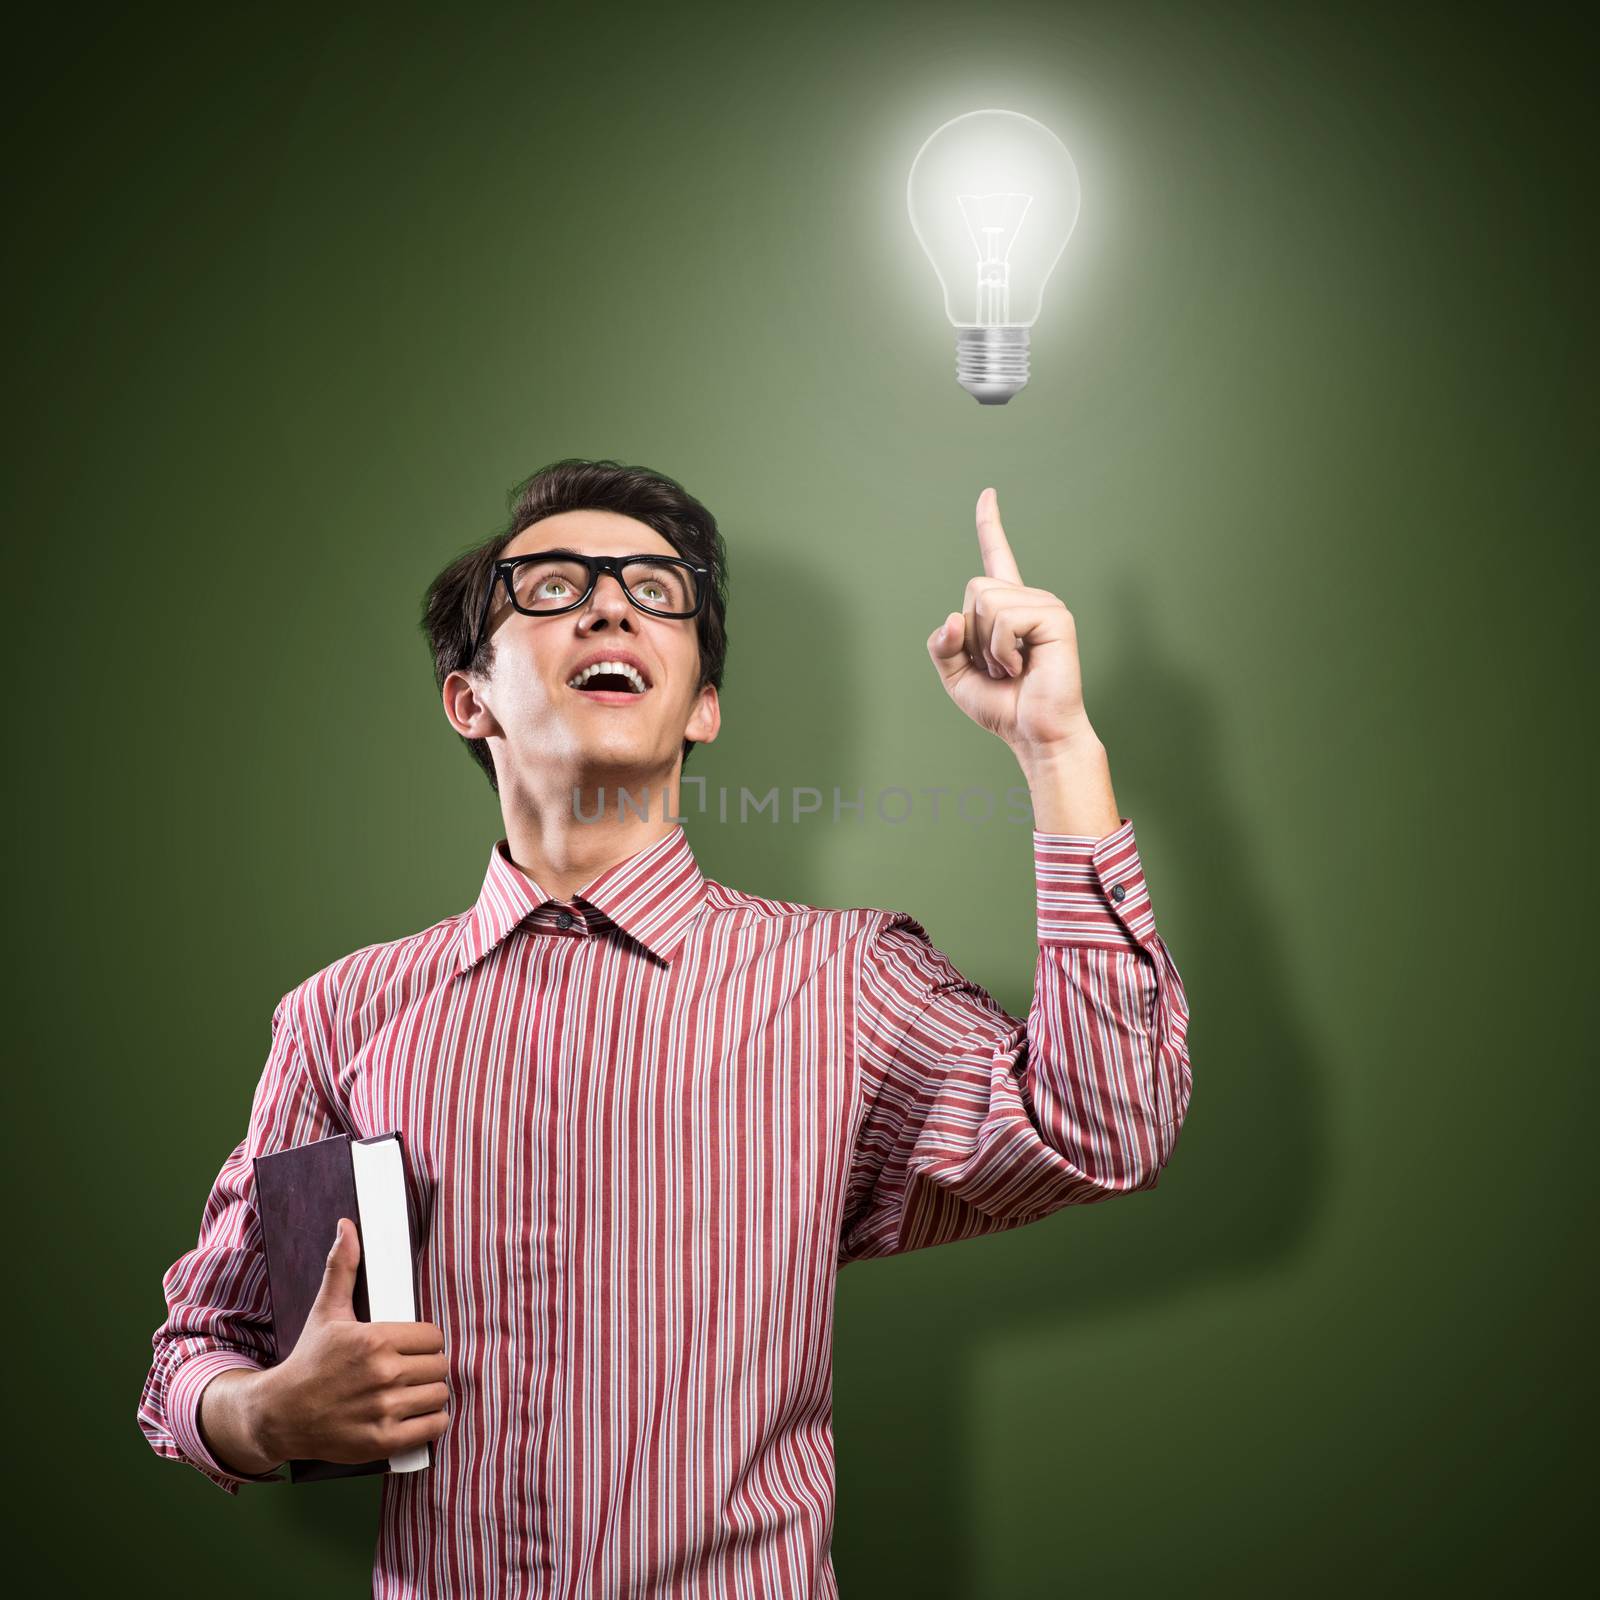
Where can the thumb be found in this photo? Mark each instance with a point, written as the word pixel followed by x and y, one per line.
pixel 947 645
pixel 334 1302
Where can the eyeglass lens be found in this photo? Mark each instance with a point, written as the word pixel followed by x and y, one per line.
pixel 554 583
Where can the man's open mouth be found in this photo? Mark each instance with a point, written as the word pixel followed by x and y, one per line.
pixel 613 677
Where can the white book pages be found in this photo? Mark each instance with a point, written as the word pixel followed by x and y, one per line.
pixel 386 1250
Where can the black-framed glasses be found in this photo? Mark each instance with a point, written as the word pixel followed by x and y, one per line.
pixel 545 583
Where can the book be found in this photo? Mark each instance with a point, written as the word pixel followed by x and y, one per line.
pixel 300 1195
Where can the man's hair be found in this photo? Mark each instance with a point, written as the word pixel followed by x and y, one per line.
pixel 454 601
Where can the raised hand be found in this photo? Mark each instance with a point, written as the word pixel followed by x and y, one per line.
pixel 1009 658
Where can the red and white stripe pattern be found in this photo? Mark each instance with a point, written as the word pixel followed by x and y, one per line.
pixel 644 1129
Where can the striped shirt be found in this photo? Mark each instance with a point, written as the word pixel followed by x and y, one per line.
pixel 644 1128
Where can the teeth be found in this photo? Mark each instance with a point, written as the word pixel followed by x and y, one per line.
pixel 594 668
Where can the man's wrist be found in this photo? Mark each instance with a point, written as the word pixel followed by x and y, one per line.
pixel 1069 783
pixel 236 1421
pixel 261 1414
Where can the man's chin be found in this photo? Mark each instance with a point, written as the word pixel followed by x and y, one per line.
pixel 616 761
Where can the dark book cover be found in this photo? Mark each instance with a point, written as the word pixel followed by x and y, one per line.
pixel 300 1195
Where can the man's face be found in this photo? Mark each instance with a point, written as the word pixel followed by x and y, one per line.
pixel 536 724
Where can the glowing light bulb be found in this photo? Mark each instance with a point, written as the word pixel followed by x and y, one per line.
pixel 993 197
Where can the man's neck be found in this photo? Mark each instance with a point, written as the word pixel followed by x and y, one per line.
pixel 565 840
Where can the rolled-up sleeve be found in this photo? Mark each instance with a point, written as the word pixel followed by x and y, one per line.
pixel 219 1311
pixel 973 1121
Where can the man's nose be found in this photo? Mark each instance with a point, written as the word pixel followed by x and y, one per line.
pixel 609 600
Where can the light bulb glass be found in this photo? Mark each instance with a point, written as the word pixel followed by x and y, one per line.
pixel 993 198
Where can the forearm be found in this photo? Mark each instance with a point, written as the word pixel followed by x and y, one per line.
pixel 1070 787
pixel 233 1420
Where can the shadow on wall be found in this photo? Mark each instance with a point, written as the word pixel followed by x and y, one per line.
pixel 1236 1201
pixel 789 724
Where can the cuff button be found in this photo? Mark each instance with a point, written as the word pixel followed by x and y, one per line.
pixel 1118 892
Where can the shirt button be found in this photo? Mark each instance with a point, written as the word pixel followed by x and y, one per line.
pixel 564 919
pixel 1117 891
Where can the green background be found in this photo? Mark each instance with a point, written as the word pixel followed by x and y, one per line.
pixel 296 299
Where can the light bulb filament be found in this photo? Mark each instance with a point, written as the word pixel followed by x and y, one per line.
pixel 993 223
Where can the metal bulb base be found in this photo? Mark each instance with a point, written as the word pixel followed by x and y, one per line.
pixel 992 363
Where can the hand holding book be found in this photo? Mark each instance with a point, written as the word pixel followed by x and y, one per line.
pixel 358 1385
pixel 352 1391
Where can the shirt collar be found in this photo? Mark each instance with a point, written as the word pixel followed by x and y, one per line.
pixel 652 895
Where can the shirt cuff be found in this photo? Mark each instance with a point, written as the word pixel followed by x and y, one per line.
pixel 183 1412
pixel 1091 891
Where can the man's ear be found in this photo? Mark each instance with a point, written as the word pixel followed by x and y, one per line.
pixel 469 715
pixel 706 719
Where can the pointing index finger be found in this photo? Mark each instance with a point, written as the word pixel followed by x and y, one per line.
pixel 998 562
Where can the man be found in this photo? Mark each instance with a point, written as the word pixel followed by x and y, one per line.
pixel 648 1117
